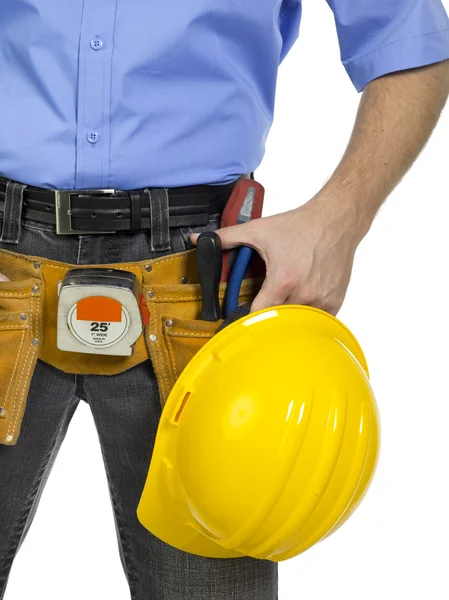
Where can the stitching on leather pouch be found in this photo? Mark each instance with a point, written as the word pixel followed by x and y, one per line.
pixel 138 269
pixel 22 396
pixel 14 369
pixel 157 351
pixel 159 298
pixel 193 335
pixel 64 268
pixel 14 327
pixel 14 406
pixel 27 261
pixel 175 299
pixel 24 379
pixel 15 295
pixel 172 355
pixel 168 259
pixel 50 264
pixel 44 261
pixel 155 261
pixel 36 332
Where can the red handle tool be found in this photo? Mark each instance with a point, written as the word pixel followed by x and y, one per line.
pixel 244 204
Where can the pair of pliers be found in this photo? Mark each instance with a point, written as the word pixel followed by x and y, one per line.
pixel 209 263
pixel 236 277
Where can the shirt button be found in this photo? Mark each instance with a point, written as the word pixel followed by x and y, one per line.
pixel 96 43
pixel 93 137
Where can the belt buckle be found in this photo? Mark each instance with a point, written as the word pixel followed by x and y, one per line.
pixel 63 211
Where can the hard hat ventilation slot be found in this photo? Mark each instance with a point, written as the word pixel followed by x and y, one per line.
pixel 182 407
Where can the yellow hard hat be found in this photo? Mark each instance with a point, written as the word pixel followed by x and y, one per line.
pixel 268 440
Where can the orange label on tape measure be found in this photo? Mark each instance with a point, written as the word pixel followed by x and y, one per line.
pixel 99 308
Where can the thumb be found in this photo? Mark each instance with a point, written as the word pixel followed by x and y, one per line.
pixel 231 237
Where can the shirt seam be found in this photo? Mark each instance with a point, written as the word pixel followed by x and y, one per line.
pixel 412 37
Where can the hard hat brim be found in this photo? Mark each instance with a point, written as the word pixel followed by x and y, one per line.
pixel 164 508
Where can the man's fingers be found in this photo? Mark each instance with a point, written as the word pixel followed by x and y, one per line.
pixel 269 295
pixel 231 237
pixel 330 307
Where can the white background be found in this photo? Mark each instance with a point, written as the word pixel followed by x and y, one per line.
pixel 395 546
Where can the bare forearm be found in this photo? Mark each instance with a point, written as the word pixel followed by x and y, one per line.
pixel 395 119
pixel 309 251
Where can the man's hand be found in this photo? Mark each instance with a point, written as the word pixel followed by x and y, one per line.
pixel 309 251
pixel 308 254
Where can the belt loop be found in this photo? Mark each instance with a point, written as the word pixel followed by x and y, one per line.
pixel 159 219
pixel 12 214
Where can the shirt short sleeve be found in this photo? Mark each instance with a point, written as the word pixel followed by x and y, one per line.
pixel 382 36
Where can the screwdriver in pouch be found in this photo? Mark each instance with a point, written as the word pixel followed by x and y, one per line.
pixel 209 258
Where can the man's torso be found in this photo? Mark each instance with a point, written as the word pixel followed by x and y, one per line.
pixel 127 94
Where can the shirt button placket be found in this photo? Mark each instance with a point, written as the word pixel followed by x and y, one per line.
pixel 94 89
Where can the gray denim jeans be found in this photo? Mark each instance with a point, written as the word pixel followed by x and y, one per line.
pixel 126 411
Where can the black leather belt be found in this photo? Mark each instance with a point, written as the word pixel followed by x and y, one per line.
pixel 110 211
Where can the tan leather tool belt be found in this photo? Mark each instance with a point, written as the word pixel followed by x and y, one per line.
pixel 28 313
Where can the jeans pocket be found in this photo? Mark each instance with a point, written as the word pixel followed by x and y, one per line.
pixel 185 232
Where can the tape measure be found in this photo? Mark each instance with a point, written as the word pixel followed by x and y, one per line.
pixel 98 312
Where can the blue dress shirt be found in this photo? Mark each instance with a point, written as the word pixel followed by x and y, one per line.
pixel 133 93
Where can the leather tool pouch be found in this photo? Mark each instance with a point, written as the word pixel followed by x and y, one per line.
pixel 174 333
pixel 28 313
pixel 21 309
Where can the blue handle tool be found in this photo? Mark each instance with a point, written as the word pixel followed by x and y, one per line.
pixel 236 277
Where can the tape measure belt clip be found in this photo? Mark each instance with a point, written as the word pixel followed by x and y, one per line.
pixel 99 312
